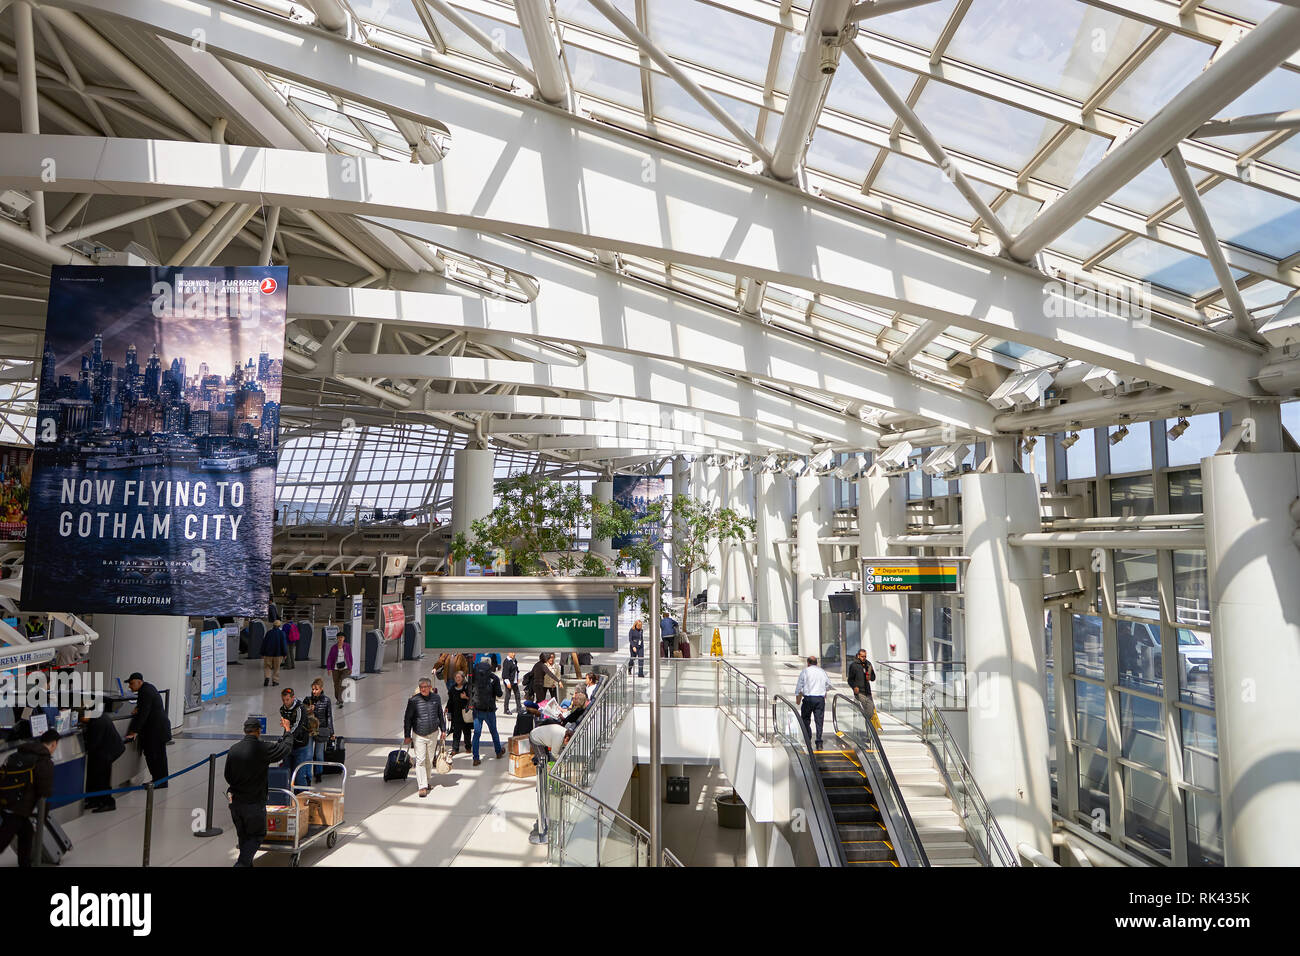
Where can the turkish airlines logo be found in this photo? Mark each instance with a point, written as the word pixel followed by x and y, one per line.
pixel 268 286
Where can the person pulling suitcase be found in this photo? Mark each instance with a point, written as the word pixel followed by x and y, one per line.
pixel 26 778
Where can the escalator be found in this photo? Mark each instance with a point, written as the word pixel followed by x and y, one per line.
pixel 857 816
pixel 863 838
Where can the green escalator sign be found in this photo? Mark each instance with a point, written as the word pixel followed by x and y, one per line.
pixel 550 632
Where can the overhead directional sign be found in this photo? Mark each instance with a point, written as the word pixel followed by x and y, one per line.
pixel 907 575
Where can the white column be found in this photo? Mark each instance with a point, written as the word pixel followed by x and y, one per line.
pixel 809 498
pixel 155 646
pixel 738 582
pixel 882 512
pixel 472 481
pixel 1254 578
pixel 603 493
pixel 681 486
pixel 715 491
pixel 699 491
pixel 1006 687
pixel 773 585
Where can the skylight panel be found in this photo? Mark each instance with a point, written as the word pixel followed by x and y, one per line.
pixel 850 93
pixel 927 186
pixel 399 16
pixel 712 38
pixel 1165 266
pixel 1166 72
pixel 978 126
pixel 919 26
pixel 675 105
pixel 1084 239
pixel 1149 190
pixel 1064 47
pixel 1251 218
pixel 603 77
pixel 840 156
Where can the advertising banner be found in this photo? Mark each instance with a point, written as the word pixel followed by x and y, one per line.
pixel 207 650
pixel 15 483
pixel 157 430
pixel 219 660
pixel 637 495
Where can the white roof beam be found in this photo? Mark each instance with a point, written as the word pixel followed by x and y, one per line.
pixel 923 136
pixel 1254 123
pixel 879 8
pixel 543 49
pixel 751 226
pixel 821 39
pixel 627 434
pixel 1173 161
pixel 1232 74
pixel 921 336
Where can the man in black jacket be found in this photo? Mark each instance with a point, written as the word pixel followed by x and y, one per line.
pixel 861 674
pixel 151 726
pixel 296 714
pixel 103 746
pixel 485 688
pixel 423 717
pixel 246 765
pixel 34 760
pixel 510 677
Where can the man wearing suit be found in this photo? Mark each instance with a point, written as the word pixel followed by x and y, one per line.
pixel 510 677
pixel 151 726
pixel 636 649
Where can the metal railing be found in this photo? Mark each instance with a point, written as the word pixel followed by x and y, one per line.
pixel 585 831
pixel 751 637
pixel 852 723
pixel 976 816
pixel 576 763
pixel 745 699
pixel 788 730
pixel 903 686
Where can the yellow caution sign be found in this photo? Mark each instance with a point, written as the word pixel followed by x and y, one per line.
pixel 715 649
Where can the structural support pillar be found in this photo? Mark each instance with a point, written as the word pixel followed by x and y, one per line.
pixel 602 492
pixel 882 513
pixel 738 583
pixel 808 565
pixel 772 586
pixel 715 491
pixel 681 486
pixel 1252 509
pixel 154 645
pixel 1005 677
pixel 472 484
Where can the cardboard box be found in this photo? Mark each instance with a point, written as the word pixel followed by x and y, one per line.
pixel 521 765
pixel 325 809
pixel 520 745
pixel 283 822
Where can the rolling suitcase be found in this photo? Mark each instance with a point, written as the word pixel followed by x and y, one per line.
pixel 54 843
pixel 277 778
pixel 398 765
pixel 335 752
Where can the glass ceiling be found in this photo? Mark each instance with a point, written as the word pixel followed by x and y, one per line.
pixel 1003 97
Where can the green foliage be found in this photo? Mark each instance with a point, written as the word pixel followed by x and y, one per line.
pixel 697 525
pixel 534 524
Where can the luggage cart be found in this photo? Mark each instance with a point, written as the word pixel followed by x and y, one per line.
pixel 317 832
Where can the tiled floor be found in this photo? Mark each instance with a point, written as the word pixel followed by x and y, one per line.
pixel 474 816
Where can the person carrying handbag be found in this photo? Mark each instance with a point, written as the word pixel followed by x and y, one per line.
pixel 462 715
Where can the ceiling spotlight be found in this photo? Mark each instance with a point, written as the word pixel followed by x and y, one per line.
pixel 794 466
pixel 1119 435
pixel 852 468
pixel 1176 432
pixel 769 463
pixel 1069 440
pixel 1028 444
pixel 821 460
pixel 895 458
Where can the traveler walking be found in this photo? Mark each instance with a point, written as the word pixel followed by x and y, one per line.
pixel 636 649
pixel 667 636
pixel 423 717
pixel 510 678
pixel 26 778
pixel 458 703
pixel 318 705
pixel 861 674
pixel 150 727
pixel 485 689
pixel 274 649
pixel 246 766
pixel 551 680
pixel 295 713
pixel 537 691
pixel 103 746
pixel 339 663
pixel 810 693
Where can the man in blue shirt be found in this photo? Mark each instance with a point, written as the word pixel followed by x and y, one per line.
pixel 810 691
pixel 668 634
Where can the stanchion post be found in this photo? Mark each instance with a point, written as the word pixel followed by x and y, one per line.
pixel 38 850
pixel 210 829
pixel 656 733
pixel 148 821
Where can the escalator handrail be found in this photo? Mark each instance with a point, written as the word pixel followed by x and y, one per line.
pixel 891 781
pixel 827 816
